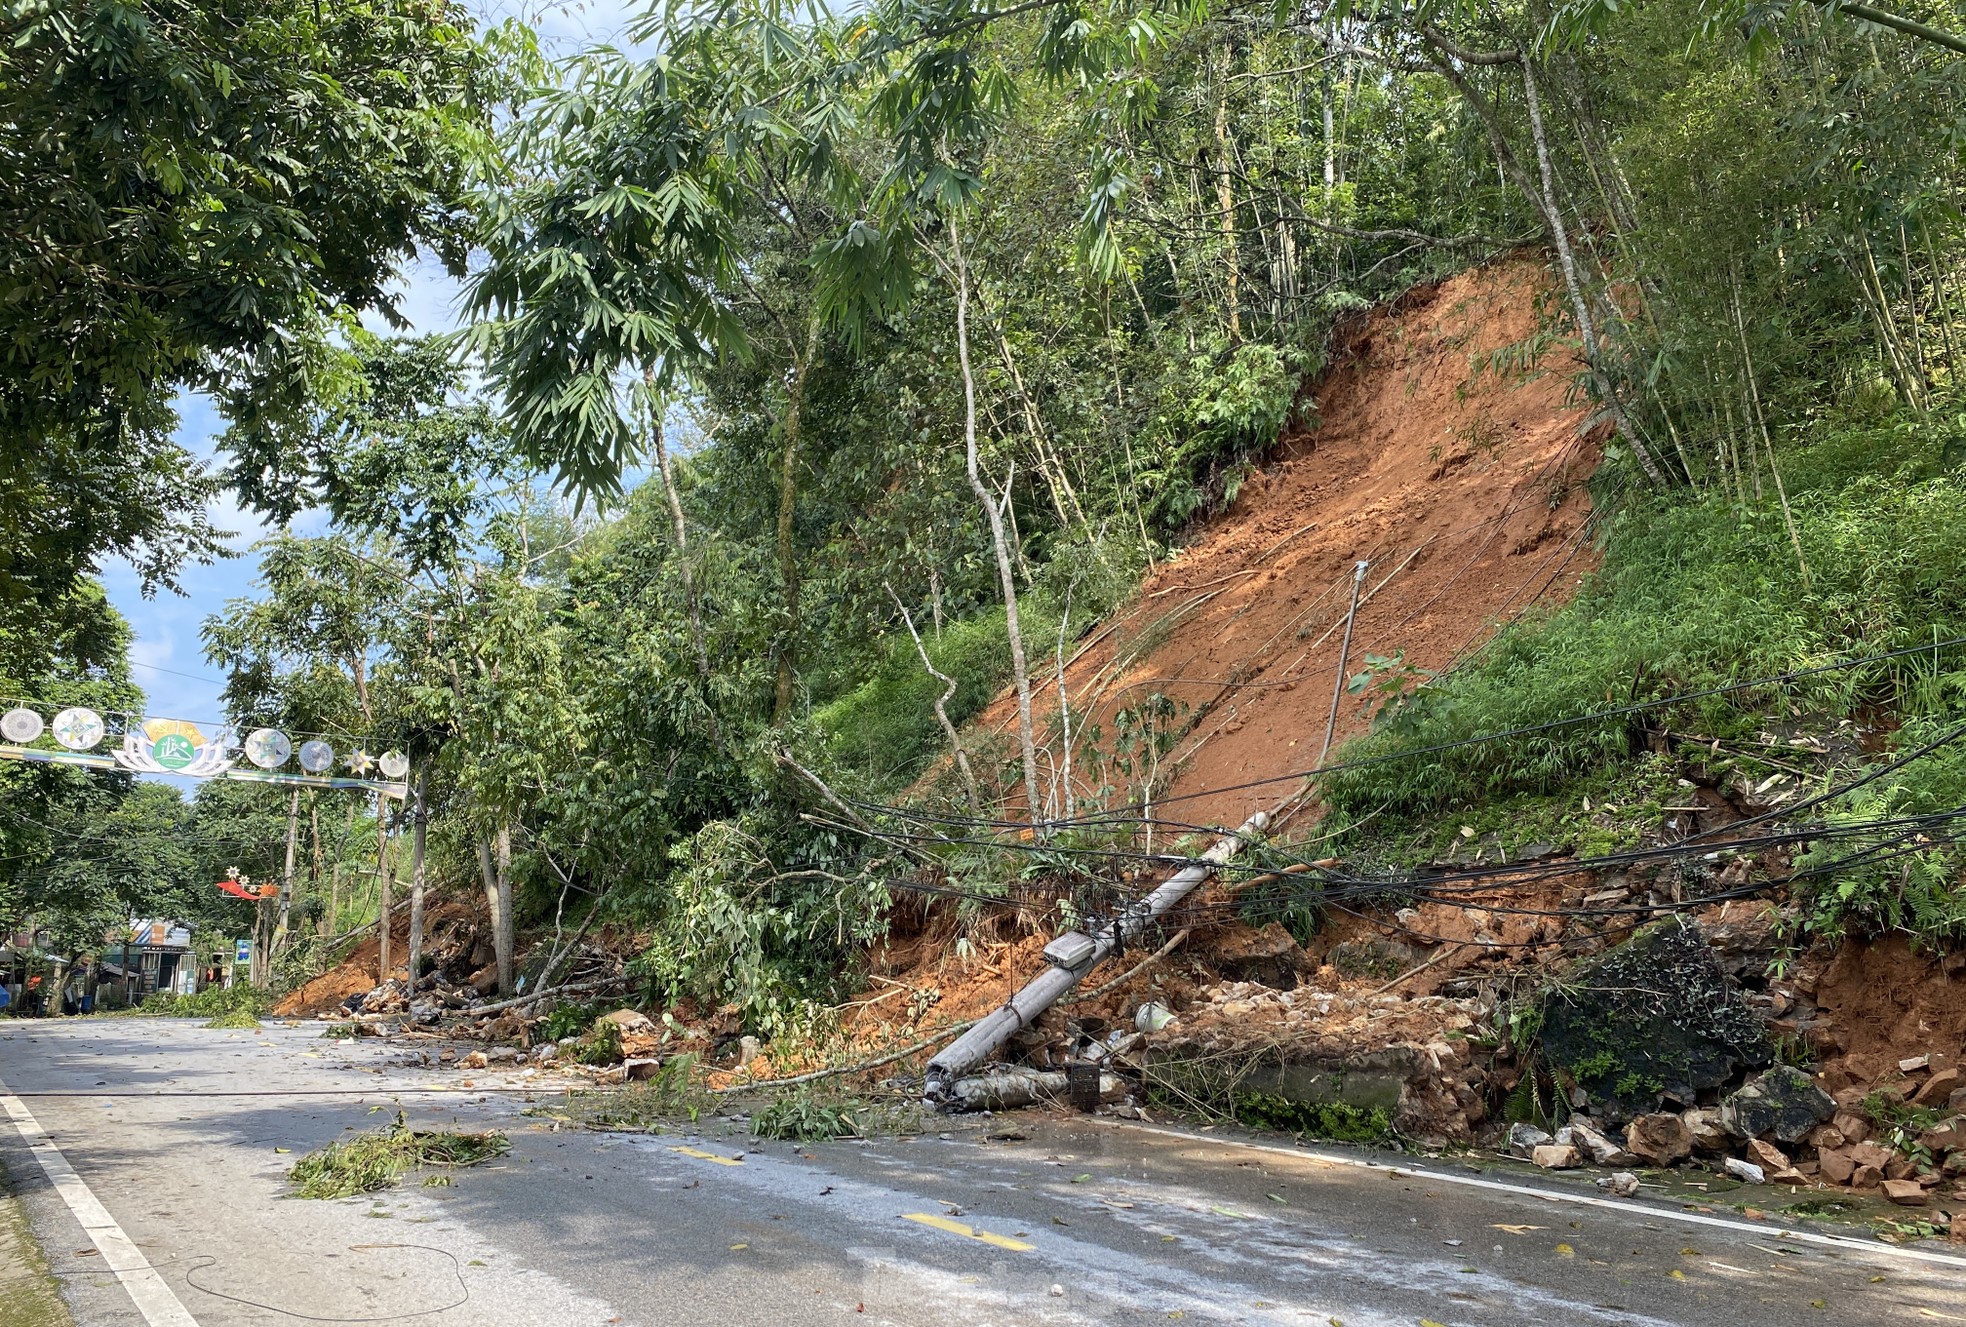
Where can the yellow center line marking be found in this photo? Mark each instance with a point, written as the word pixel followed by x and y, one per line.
pixel 969 1232
pixel 707 1156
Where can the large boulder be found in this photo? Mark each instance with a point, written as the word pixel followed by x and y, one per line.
pixel 1524 1139
pixel 1784 1102
pixel 1659 1138
pixel 1652 1021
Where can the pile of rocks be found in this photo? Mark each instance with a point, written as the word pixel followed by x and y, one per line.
pixel 1779 1128
pixel 1411 1058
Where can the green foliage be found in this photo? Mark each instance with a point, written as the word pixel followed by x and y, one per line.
pixel 215 1002
pixel 1226 409
pixel 601 1044
pixel 1696 594
pixel 1334 1120
pixel 202 191
pixel 568 1019
pixel 675 1094
pixel 1525 1102
pixel 376 1160
pixel 804 1115
pixel 242 1019
pixel 1899 1123
pixel 885 729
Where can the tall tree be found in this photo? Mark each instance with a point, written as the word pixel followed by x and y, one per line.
pixel 194 195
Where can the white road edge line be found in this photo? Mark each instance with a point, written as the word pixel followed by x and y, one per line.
pixel 152 1295
pixel 1843 1242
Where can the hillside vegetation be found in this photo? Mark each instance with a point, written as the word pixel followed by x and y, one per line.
pixel 832 382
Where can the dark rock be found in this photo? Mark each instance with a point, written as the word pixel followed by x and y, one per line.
pixel 1383 959
pixel 1268 955
pixel 1654 1019
pixel 1784 1102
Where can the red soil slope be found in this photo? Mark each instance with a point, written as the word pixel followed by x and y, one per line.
pixel 1460 483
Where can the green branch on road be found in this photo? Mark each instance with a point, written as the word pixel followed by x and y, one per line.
pixel 378 1159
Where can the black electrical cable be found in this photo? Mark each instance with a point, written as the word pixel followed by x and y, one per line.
pixel 203 1261
pixel 1678 848
pixel 1431 886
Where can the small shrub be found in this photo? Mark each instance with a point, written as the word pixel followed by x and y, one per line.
pixel 569 1019
pixel 804 1116
pixel 235 1018
pixel 1323 1119
pixel 601 1045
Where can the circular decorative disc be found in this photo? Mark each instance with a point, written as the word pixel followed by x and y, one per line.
pixel 268 748
pixel 316 756
pixel 78 728
pixel 21 725
pixel 394 764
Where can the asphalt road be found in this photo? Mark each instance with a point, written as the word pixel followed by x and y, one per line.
pixel 182 1136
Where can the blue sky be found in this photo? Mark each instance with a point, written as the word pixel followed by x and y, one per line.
pixel 169 663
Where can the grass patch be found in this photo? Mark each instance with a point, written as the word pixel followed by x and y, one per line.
pixel 1823 1209
pixel 235 1018
pixel 885 728
pixel 1697 592
pixel 33 1296
pixel 376 1160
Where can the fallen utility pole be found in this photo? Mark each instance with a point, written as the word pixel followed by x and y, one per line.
pixel 1071 956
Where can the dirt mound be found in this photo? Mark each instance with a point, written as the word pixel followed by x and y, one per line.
pixel 1880 1002
pixel 447 925
pixel 1457 474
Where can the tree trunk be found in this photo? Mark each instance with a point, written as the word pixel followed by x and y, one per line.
pixel 286 877
pixel 1767 443
pixel 324 925
pixel 385 882
pixel 420 824
pixel 1544 200
pixel 497 873
pixel 1567 260
pixel 788 563
pixel 1006 575
pixel 941 708
pixel 1225 202
pixel 692 600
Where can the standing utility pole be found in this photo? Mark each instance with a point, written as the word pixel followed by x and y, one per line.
pixel 1344 652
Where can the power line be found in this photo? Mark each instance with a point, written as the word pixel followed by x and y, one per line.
pixel 1699 842
pixel 189 677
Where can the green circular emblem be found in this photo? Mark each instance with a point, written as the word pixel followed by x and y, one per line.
pixel 173 751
